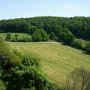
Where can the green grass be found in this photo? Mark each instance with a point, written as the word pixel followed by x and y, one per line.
pixel 20 35
pixel 56 60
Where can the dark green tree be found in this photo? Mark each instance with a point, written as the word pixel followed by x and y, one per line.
pixel 8 37
pixel 66 36
pixel 40 35
pixel 36 36
pixel 44 35
pixel 52 36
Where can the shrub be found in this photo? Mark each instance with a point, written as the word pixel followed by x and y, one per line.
pixel 78 79
pixel 5 55
pixel 8 37
pixel 66 36
pixel 79 43
pixel 15 38
pixel 24 76
pixel 24 39
pixel 40 35
pixel 30 61
pixel 87 48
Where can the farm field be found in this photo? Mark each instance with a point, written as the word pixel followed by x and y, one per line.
pixel 57 60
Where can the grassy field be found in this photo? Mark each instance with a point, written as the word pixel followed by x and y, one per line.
pixel 20 35
pixel 56 60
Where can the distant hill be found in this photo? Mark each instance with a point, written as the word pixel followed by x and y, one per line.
pixel 79 26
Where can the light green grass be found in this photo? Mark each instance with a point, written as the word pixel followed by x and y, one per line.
pixel 20 35
pixel 57 60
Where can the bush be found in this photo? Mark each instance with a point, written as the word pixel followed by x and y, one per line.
pixel 20 77
pixel 24 39
pixel 24 76
pixel 5 55
pixel 79 43
pixel 87 48
pixel 2 85
pixel 40 35
pixel 78 79
pixel 15 38
pixel 8 37
pixel 66 36
pixel 30 61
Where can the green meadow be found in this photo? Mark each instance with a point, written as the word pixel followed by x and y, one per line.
pixel 20 35
pixel 56 60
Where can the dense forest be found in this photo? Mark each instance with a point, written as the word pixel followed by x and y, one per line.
pixel 73 31
pixel 79 26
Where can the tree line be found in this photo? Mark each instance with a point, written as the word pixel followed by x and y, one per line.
pixel 79 26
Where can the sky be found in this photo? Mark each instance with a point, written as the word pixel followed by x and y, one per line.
pixel 30 8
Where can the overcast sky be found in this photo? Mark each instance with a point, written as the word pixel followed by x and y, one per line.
pixel 29 8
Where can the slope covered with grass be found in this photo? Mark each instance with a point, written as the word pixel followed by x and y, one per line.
pixel 56 60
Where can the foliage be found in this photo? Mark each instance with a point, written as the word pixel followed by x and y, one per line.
pixel 15 38
pixel 23 39
pixel 79 26
pixel 36 36
pixel 40 35
pixel 21 77
pixel 5 55
pixel 66 36
pixel 78 79
pixel 52 36
pixel 30 61
pixel 79 43
pixel 26 76
pixel 88 47
pixel 8 37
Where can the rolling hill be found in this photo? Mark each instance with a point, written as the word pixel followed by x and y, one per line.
pixel 56 60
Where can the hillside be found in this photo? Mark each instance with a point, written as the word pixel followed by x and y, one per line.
pixel 78 26
pixel 56 59
pixel 73 31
